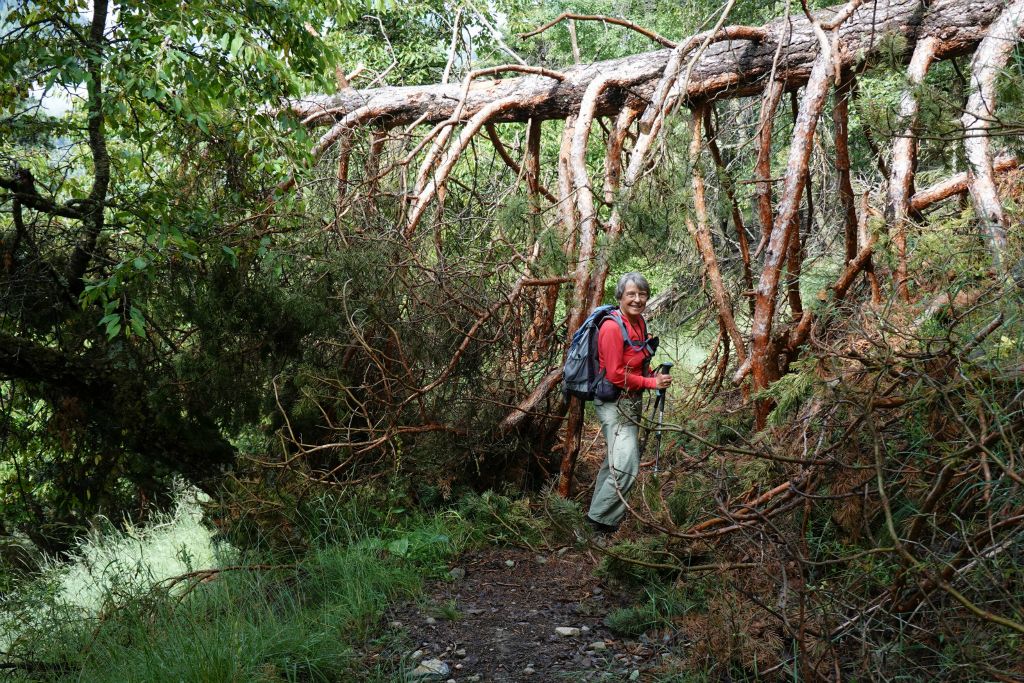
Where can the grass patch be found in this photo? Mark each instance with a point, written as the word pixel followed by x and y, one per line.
pixel 309 617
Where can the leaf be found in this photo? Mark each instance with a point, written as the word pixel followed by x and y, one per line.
pixel 399 546
pixel 236 44
pixel 140 263
pixel 138 322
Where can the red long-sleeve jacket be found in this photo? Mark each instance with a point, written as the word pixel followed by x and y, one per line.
pixel 623 365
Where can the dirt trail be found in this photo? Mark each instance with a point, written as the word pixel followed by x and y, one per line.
pixel 498 622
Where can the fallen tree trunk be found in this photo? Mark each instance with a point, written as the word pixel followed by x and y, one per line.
pixel 730 68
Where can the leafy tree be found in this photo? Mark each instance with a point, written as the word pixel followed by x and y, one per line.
pixel 142 306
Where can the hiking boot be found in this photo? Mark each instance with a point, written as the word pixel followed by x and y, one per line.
pixel 601 527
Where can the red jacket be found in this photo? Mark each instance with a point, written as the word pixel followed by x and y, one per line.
pixel 623 365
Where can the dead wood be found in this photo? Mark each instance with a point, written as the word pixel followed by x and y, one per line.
pixel 764 362
pixel 730 192
pixel 763 167
pixel 731 68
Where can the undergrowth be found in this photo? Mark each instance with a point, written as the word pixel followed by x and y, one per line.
pixel 311 613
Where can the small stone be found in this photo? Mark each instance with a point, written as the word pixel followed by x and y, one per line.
pixel 417 655
pixel 461 653
pixel 563 550
pixel 567 631
pixel 529 671
pixel 475 610
pixel 584 629
pixel 597 590
pixel 540 559
pixel 597 645
pixel 395 624
pixel 635 675
pixel 510 563
pixel 457 573
pixel 431 621
pixel 475 678
pixel 430 670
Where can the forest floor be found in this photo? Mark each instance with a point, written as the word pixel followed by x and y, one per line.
pixel 516 615
pixel 506 614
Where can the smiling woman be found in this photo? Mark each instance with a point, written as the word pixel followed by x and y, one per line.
pixel 626 371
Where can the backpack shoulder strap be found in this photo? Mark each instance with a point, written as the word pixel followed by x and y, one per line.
pixel 626 339
pixel 616 315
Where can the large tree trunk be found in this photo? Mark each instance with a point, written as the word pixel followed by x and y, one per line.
pixel 729 68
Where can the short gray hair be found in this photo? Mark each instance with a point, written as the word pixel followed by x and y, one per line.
pixel 637 279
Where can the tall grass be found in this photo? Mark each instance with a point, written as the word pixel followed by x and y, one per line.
pixel 131 606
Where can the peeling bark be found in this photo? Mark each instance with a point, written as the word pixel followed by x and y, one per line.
pixel 613 171
pixel 763 166
pixel 904 156
pixel 764 360
pixel 729 68
pixel 979 116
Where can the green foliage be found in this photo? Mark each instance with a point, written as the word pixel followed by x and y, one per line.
pixel 790 391
pixel 245 625
pixel 657 610
pixel 269 618
pixel 638 562
pixel 501 520
pixel 689 499
pixel 564 517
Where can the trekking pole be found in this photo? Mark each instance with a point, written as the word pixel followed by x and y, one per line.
pixel 659 398
pixel 660 407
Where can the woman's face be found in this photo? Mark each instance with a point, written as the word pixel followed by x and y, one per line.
pixel 633 301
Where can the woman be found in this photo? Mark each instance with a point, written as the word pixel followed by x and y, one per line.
pixel 627 367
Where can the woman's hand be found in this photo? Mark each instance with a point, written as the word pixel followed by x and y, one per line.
pixel 663 381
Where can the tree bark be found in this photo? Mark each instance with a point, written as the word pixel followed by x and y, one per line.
pixel 763 166
pixel 840 119
pixel 734 205
pixel 904 157
pixel 730 68
pixel 764 365
pixel 979 116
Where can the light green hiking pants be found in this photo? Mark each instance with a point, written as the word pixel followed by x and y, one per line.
pixel 618 473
